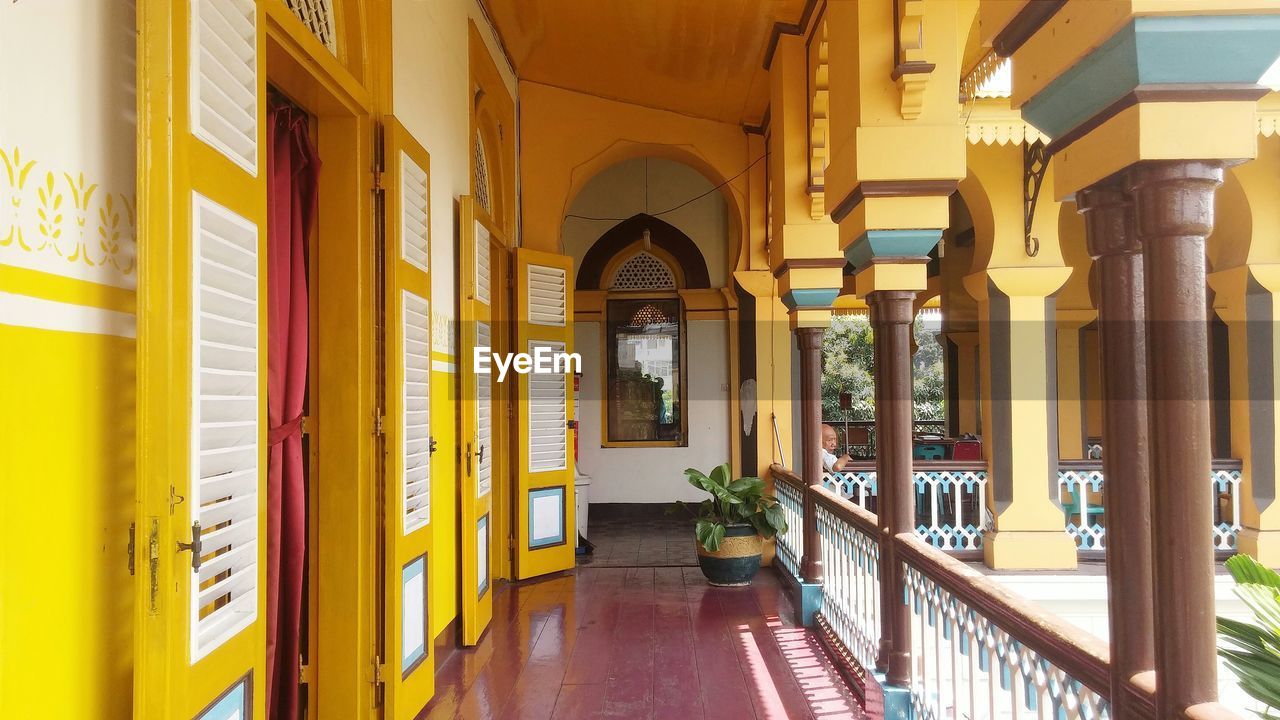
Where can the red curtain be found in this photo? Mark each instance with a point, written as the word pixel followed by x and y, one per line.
pixel 292 174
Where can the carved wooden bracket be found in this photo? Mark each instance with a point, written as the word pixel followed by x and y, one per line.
pixel 1035 162
pixel 819 126
pixel 910 70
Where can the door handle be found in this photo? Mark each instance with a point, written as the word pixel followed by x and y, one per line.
pixel 196 546
pixel 480 459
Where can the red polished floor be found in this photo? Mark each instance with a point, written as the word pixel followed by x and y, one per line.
pixel 642 642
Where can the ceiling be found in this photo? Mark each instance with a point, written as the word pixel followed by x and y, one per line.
pixel 701 58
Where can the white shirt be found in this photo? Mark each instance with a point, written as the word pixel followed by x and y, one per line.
pixel 828 461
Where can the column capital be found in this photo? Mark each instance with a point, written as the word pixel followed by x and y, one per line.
pixel 1108 214
pixel 892 307
pixel 1174 198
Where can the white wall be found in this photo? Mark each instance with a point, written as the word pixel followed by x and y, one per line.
pixel 430 73
pixel 656 474
pixel 619 192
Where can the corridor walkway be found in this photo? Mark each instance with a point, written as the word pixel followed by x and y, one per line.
pixel 642 642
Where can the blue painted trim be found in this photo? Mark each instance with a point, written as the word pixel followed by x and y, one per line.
pixel 1169 49
pixel 897 700
pixel 234 703
pixel 810 602
pixel 807 596
pixel 411 655
pixel 548 540
pixel 891 243
pixel 482 555
pixel 810 297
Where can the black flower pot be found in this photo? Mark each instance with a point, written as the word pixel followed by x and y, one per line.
pixel 738 559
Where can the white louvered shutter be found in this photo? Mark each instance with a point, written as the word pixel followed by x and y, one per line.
pixel 546 295
pixel 548 403
pixel 224 78
pixel 416 427
pixel 224 444
pixel 414 215
pixel 484 417
pixel 482 265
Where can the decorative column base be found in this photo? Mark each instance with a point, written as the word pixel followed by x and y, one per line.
pixel 1022 549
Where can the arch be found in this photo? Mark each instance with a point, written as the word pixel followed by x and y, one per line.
pixel 663 235
pixel 623 150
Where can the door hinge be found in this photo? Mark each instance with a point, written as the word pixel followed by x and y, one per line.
pixel 153 566
pixel 377 181
pixel 431 447
pixel 511 543
pixel 378 421
pixel 379 682
pixel 133 527
pixel 305 674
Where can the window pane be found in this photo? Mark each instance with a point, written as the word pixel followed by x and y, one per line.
pixel 644 371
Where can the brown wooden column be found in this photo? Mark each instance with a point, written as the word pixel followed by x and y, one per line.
pixel 1126 491
pixel 1173 214
pixel 891 315
pixel 809 340
pixel 883 499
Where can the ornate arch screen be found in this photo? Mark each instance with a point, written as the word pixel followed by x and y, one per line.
pixel 643 271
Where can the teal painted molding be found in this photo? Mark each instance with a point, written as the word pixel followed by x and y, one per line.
pixel 1235 49
pixel 810 297
pixel 891 243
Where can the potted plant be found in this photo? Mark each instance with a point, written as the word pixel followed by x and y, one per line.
pixel 732 525
pixel 1252 650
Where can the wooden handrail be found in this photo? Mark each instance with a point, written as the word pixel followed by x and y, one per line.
pixel 1080 655
pixel 861 519
pixel 921 465
pixel 1095 464
pixel 787 476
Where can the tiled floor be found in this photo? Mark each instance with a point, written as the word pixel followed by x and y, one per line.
pixel 640 536
pixel 642 643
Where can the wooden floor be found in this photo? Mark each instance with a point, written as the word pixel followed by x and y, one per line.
pixel 642 642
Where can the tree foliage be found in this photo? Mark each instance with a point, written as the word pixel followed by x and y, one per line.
pixel 848 366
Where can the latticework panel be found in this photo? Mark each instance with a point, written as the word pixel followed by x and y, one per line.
pixel 643 271
pixel 317 15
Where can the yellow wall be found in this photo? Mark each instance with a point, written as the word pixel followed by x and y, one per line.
pixel 569 137
pixel 67 274
pixel 431 97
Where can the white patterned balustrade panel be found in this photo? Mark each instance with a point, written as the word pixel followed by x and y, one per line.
pixel 790 543
pixel 1080 491
pixel 851 585
pixel 949 507
pixel 963 665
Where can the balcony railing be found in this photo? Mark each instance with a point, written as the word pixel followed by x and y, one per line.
pixel 949 498
pixel 1080 483
pixel 951 509
pixel 975 650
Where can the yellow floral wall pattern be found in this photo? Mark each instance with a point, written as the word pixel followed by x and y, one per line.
pixel 57 220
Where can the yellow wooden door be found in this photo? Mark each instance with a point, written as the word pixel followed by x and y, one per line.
pixel 202 381
pixel 545 533
pixel 408 669
pixel 478 331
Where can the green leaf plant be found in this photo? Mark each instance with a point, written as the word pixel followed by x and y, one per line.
pixel 1252 650
pixel 732 502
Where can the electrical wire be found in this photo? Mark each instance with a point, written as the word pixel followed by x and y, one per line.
pixel 677 207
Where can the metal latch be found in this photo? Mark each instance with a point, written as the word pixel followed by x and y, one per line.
pixel 195 546
pixel 571 424
pixel 431 448
pixel 132 547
